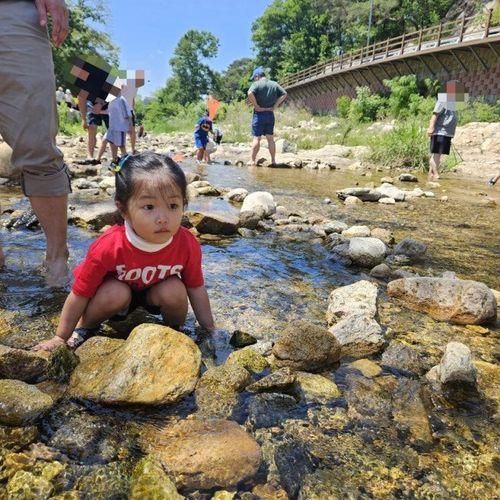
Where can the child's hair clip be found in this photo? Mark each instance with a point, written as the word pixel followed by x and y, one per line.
pixel 117 167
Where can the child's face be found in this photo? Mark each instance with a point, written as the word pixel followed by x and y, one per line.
pixel 154 217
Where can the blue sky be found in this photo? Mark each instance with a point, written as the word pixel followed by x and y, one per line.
pixel 147 31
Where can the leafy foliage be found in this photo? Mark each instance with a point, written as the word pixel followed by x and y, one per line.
pixel 366 106
pixel 193 77
pixel 84 37
pixel 234 82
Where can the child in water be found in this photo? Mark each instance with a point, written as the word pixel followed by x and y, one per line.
pixel 201 130
pixel 148 261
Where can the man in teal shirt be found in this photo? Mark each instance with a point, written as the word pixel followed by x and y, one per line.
pixel 265 96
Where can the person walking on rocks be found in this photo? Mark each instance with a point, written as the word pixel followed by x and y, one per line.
pixel 149 261
pixel 28 118
pixel 443 124
pixel 202 128
pixel 265 96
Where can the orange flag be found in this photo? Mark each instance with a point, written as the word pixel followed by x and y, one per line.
pixel 212 106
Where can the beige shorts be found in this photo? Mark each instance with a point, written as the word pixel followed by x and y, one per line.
pixel 28 112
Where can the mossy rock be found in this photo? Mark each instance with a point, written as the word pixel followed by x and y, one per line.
pixel 249 359
pixel 26 486
pixel 150 482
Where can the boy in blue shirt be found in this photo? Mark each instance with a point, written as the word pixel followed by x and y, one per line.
pixel 201 130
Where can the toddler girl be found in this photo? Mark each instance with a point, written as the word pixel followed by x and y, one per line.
pixel 149 261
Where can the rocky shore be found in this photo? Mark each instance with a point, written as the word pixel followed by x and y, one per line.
pixel 392 392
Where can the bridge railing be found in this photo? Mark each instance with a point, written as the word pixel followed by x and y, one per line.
pixel 448 33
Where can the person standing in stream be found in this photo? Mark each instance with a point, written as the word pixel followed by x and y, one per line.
pixel 265 96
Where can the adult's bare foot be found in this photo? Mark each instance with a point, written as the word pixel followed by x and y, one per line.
pixel 57 272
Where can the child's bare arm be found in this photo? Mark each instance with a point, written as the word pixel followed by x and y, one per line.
pixel 72 311
pixel 198 297
pixel 432 124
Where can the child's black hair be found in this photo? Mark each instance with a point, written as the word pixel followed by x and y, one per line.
pixel 148 167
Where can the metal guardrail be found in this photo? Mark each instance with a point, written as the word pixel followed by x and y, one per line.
pixel 445 34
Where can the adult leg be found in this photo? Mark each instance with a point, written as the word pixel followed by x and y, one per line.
pixel 434 162
pixel 171 297
pixel 52 215
pixel 91 140
pixel 102 149
pixel 272 148
pixel 255 149
pixel 112 297
pixel 133 139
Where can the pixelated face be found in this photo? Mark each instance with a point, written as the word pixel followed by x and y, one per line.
pixel 455 91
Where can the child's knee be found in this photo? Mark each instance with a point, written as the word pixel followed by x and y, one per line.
pixel 171 292
pixel 116 294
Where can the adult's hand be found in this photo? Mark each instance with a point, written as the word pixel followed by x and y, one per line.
pixel 58 12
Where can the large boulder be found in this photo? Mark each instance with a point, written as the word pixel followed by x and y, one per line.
pixel 390 191
pixel 366 252
pixel 21 404
pixel 155 365
pixel 260 203
pixel 307 347
pixel 213 223
pixel 6 167
pixel 205 454
pixel 457 301
pixel 358 298
pixel 456 365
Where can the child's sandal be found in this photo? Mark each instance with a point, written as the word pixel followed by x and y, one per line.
pixel 80 335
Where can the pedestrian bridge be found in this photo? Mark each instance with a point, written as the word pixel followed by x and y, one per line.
pixel 467 49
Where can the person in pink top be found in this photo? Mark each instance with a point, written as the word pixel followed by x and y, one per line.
pixel 149 260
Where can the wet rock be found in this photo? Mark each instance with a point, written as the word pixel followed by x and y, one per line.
pixel 457 301
pixel 368 368
pixel 155 365
pixel 19 364
pixel 304 346
pixel 249 220
pixel 149 481
pixel 269 409
pixel 17 438
pixel 363 194
pixel 106 481
pixel 237 195
pixel 260 203
pixel 413 249
pixel 316 388
pixel 29 486
pixel 382 234
pixel 387 201
pixel 366 252
pixel 241 339
pixel 352 200
pixel 358 298
pixel 407 178
pixel 249 359
pixel 213 223
pixel 294 463
pixel 217 390
pixel 205 454
pixel 85 184
pixel 334 226
pixel 269 492
pixel 456 365
pixel 22 219
pixel 94 216
pixel 279 381
pixel 382 271
pixel 21 404
pixel 403 358
pixel 356 232
pixel 390 191
pixel 358 335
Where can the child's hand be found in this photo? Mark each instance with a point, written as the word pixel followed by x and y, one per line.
pixel 430 131
pixel 49 345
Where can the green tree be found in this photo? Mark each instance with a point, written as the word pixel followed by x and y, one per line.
pixel 234 82
pixel 291 35
pixel 84 37
pixel 194 77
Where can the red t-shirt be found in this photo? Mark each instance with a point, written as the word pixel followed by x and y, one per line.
pixel 113 255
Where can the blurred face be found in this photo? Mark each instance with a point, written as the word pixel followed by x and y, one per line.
pixel 153 215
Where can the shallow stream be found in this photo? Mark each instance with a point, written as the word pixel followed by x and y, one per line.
pixel 352 448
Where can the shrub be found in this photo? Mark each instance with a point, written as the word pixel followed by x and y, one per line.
pixel 69 123
pixel 343 106
pixel 407 145
pixel 479 111
pixel 366 105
